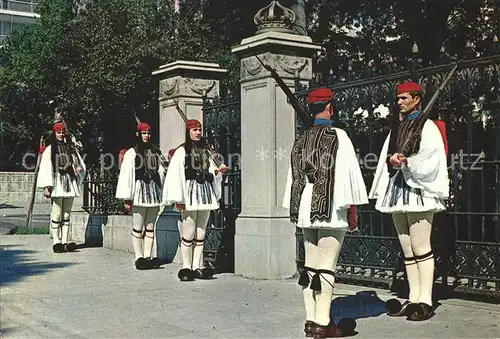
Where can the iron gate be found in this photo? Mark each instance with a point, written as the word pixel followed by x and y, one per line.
pixel 221 124
pixel 466 238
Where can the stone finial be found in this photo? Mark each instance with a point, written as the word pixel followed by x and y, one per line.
pixel 274 17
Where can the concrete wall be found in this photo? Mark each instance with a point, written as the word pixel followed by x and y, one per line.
pixel 15 189
pixel 114 232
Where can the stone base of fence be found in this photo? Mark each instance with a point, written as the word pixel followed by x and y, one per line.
pixel 114 232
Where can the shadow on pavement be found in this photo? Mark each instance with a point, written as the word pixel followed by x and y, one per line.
pixel 17 264
pixel 364 304
pixel 4 330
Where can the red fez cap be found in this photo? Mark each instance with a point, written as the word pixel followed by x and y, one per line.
pixel 58 127
pixel 320 94
pixel 193 123
pixel 143 127
pixel 409 86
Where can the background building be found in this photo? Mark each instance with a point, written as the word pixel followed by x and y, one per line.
pixel 15 14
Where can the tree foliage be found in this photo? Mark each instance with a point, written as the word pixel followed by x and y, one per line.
pixel 93 58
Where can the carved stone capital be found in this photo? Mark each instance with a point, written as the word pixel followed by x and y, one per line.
pixel 189 79
pixel 201 87
pixel 292 64
pixel 287 66
pixel 169 87
pixel 189 87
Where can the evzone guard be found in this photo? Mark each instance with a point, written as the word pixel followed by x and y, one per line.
pixel 323 188
pixel 61 175
pixel 411 183
pixel 193 183
pixel 140 185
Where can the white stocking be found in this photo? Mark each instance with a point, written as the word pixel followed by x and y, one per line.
pixel 329 246
pixel 154 250
pixel 420 235
pixel 67 205
pixel 199 241
pixel 402 228
pixel 149 222
pixel 56 219
pixel 138 217
pixel 56 232
pixel 188 230
pixel 311 248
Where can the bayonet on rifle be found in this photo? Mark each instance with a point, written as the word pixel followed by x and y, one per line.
pixel 306 118
pixel 418 130
pixel 137 120
pixel 182 114
pixel 184 117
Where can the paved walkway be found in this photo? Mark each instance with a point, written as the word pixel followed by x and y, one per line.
pixel 12 216
pixel 20 210
pixel 97 293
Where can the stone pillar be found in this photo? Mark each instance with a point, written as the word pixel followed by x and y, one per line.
pixel 265 238
pixel 184 82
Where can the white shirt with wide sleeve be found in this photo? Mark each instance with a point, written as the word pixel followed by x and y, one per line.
pixel 129 188
pixel 426 170
pixel 349 188
pixel 196 196
pixel 46 177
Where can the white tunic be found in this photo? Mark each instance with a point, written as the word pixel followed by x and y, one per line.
pixel 195 196
pixel 55 180
pixel 132 189
pixel 426 174
pixel 349 189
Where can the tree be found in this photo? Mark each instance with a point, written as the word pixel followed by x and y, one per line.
pixel 95 58
pixel 30 67
pixel 94 63
pixel 358 33
pixel 111 51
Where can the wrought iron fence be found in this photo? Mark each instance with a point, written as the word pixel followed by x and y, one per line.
pixel 466 238
pixel 222 130
pixel 221 124
pixel 99 189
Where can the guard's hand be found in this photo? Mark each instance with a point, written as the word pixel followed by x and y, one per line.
pixel 352 218
pixel 128 205
pixel 180 207
pixel 78 169
pixel 47 192
pixel 223 168
pixel 403 160
pixel 395 159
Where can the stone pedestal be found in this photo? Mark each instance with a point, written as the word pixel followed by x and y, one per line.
pixel 265 239
pixel 186 82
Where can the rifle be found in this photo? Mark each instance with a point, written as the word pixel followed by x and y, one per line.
pixel 184 117
pixel 137 120
pixel 417 132
pixel 308 121
pixel 163 161
pixel 33 188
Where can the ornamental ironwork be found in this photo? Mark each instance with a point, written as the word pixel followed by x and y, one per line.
pixel 466 238
pixel 221 128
